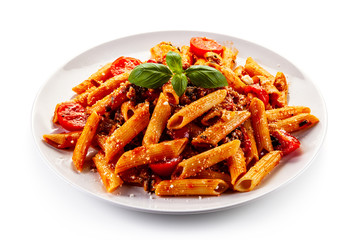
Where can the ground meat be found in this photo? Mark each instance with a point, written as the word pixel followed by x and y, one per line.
pixel 193 93
pixel 234 101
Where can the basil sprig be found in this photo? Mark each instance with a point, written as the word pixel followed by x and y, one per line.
pixel 154 75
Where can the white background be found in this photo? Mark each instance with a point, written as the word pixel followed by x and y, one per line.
pixel 320 37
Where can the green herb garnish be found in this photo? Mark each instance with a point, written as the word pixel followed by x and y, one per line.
pixel 154 75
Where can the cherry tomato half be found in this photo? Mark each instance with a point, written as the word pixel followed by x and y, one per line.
pixel 284 142
pixel 201 45
pixel 165 168
pixel 258 91
pixel 71 116
pixel 123 64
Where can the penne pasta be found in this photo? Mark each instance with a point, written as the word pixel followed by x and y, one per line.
pixel 127 110
pixel 186 57
pixel 85 140
pixel 257 172
pixel 95 79
pixel 82 98
pixel 186 187
pixel 170 93
pixel 237 166
pixel 159 51
pixel 213 58
pixel 213 134
pixel 195 109
pixel 150 154
pixel 202 161
pixel 106 88
pixel 260 126
pixel 281 84
pixel 124 134
pixel 211 117
pixel 285 112
pixel 254 69
pixel 292 124
pixel 252 154
pixel 211 174
pixel 158 121
pixel 110 180
pixel 111 101
pixel 229 57
pixel 62 140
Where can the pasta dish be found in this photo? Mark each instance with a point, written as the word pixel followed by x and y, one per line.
pixel 189 120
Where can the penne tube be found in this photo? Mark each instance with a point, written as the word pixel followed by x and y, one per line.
pixel 95 79
pixel 62 140
pixel 251 153
pixel 82 98
pixel 149 154
pixel 159 51
pixel 228 123
pixel 188 187
pixel 186 57
pixel 125 133
pixel 254 69
pixel 107 87
pixel 110 180
pixel 237 166
pixel 292 124
pixel 211 117
pixel 204 160
pixel 170 93
pixel 281 84
pixel 196 109
pixel 159 118
pixel 211 174
pixel 85 140
pixel 229 57
pixel 280 81
pixel 257 172
pixel 260 125
pixel 213 58
pixel 285 112
pixel 111 101
pixel 127 109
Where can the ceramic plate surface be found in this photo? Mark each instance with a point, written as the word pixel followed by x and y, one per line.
pixel 58 89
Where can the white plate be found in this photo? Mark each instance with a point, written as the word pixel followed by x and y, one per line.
pixel 58 89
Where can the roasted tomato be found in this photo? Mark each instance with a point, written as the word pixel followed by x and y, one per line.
pixel 166 167
pixel 259 92
pixel 71 116
pixel 284 142
pixel 201 45
pixel 123 64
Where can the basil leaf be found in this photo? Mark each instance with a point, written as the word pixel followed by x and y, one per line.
pixel 150 75
pixel 179 82
pixel 173 60
pixel 205 76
